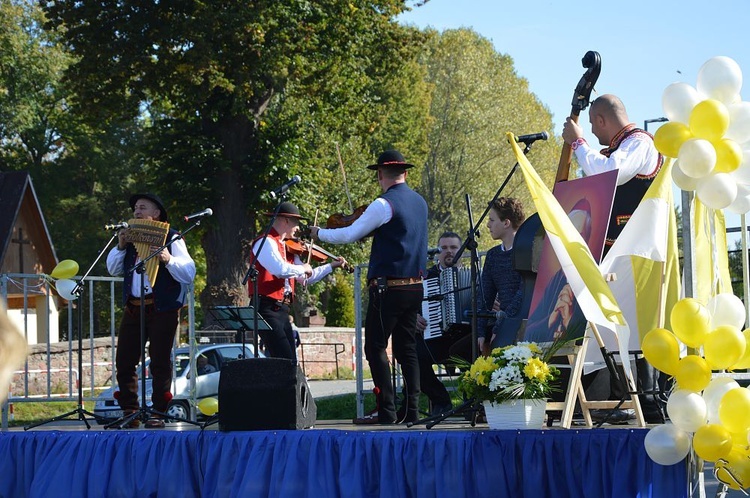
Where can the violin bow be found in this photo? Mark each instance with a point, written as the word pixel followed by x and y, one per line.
pixel 310 245
pixel 343 173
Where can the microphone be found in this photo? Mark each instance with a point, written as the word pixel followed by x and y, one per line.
pixel 432 252
pixel 533 137
pixel 116 226
pixel 289 184
pixel 199 214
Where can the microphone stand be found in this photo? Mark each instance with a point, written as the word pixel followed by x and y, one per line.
pixel 252 273
pixel 144 411
pixel 471 243
pixel 78 292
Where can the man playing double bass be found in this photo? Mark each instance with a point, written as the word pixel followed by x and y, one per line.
pixel 398 221
pixel 630 151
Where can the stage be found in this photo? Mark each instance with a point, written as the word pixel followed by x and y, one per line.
pixel 335 459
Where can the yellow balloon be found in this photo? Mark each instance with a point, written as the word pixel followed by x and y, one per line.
pixel 734 470
pixel 728 155
pixel 734 408
pixel 693 373
pixel 670 136
pixel 723 347
pixel 66 268
pixel 709 119
pixel 744 361
pixel 208 406
pixel 712 442
pixel 690 322
pixel 661 350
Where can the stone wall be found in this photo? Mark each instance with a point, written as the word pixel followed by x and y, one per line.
pixel 317 357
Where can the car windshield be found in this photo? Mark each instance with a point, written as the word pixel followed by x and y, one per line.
pixel 181 362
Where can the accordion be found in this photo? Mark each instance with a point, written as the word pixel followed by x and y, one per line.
pixel 451 293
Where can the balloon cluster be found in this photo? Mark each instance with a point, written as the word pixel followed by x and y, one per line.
pixel 712 414
pixel 709 134
pixel 61 276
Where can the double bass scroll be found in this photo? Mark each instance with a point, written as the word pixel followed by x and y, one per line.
pixel 592 61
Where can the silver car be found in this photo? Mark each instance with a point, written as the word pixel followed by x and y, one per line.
pixel 106 408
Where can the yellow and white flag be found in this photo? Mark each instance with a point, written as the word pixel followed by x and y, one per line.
pixel 592 293
pixel 645 261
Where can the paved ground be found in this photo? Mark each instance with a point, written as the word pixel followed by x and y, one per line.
pixel 325 388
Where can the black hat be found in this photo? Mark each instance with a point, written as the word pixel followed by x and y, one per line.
pixel 153 198
pixel 391 158
pixel 288 210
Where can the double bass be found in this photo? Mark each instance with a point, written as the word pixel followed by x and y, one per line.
pixel 528 241
pixel 592 61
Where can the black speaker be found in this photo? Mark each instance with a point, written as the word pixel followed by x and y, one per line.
pixel 264 393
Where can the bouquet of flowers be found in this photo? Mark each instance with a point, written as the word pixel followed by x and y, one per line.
pixel 519 371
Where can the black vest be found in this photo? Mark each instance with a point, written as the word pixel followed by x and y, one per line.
pixel 629 194
pixel 399 247
pixel 169 294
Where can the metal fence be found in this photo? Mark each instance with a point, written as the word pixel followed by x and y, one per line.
pixel 98 307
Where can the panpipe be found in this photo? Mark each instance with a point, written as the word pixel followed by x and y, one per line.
pixel 452 293
pixel 143 234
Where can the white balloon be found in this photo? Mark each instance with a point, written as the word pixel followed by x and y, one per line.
pixel 726 309
pixel 697 157
pixel 687 410
pixel 717 191
pixel 720 78
pixel 678 101
pixel 65 288
pixel 667 444
pixel 713 393
pixel 741 204
pixel 739 122
pixel 682 180
pixel 742 174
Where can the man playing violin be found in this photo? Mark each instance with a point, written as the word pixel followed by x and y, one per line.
pixel 278 269
pixel 398 222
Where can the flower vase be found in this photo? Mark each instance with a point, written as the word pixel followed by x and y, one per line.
pixel 515 414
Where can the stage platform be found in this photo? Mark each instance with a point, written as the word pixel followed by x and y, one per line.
pixel 334 459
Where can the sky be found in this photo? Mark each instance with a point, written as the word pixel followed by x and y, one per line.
pixel 644 46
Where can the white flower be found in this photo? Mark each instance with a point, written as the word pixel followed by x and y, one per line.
pixel 520 352
pixel 504 377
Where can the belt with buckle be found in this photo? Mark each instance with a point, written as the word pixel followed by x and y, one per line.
pixel 136 301
pixel 287 300
pixel 398 282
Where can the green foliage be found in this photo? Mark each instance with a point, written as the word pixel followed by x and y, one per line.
pixel 340 311
pixel 476 98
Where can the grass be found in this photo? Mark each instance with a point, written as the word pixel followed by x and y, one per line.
pixel 31 413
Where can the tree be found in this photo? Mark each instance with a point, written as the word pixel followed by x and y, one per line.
pixel 476 98
pixel 224 87
pixel 340 310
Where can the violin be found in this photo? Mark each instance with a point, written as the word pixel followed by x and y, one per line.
pixel 340 220
pixel 581 95
pixel 302 248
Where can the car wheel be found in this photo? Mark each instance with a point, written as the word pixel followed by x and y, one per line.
pixel 179 409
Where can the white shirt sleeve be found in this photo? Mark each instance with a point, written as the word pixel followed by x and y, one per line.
pixel 378 213
pixel 181 266
pixel 635 156
pixel 271 259
pixel 116 261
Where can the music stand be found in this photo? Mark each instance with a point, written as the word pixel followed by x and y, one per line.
pixel 472 405
pixel 240 319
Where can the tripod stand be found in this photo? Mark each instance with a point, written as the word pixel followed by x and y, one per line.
pixel 144 412
pixel 78 292
pixel 472 405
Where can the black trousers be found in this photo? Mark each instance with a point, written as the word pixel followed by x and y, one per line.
pixel 393 313
pixel 430 353
pixel 279 341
